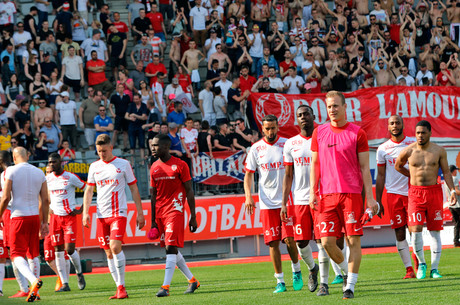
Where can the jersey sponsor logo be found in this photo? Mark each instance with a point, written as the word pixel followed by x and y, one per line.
pixel 272 166
pixel 58 192
pixel 351 217
pixel 177 202
pixel 108 182
pixel 438 215
pixel 302 161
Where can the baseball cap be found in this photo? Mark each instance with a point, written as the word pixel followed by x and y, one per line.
pixel 453 167
pixel 175 81
pixel 36 96
pixel 20 97
pixel 307 86
pixel 66 6
pixel 64 93
pixel 172 96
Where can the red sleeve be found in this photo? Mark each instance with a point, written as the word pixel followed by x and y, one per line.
pixel 314 140
pixel 185 173
pixel 163 69
pixel 125 28
pixel 363 145
pixel 147 69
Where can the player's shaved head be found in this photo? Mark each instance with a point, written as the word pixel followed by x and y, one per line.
pixel 396 116
pixel 20 155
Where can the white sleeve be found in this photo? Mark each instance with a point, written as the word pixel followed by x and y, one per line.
pixel 251 161
pixel 129 174
pixel 91 180
pixel 287 157
pixel 380 155
pixel 76 181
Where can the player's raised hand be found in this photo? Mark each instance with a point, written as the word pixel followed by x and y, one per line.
pixel 249 205
pixel 283 213
pixel 86 220
pixel 192 224
pixel 140 221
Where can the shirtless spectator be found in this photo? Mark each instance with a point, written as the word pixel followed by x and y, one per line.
pixel 193 58
pixel 222 58
pixel 236 9
pixel 335 73
pixel 362 6
pixel 383 75
pixel 174 55
pixel 352 46
pixel 260 14
pixel 318 52
pixel 453 15
pixel 454 66
pixel 430 57
pixel 425 194
pixel 437 9
pixel 355 67
pixel 41 114
pixel 333 41
pixel 211 43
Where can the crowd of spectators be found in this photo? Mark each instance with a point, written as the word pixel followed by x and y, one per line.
pixel 91 71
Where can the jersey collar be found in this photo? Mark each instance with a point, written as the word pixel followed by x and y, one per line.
pixel 277 138
pixel 399 141
pixel 107 162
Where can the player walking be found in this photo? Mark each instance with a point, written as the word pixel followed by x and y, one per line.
pixel 266 156
pixel 425 194
pixel 340 168
pixel 170 180
pixel 112 175
pixel 396 185
pixel 63 220
pixel 297 159
pixel 25 183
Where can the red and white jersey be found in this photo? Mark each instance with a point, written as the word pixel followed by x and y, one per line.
pixel 189 137
pixel 168 179
pixel 27 182
pixel 268 160
pixel 395 182
pixel 62 192
pixel 297 153
pixel 110 179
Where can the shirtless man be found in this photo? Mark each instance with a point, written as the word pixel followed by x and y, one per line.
pixel 236 9
pixel 435 11
pixel 454 66
pixel 41 114
pixel 192 56
pixel 221 57
pixel 339 14
pixel 453 15
pixel 362 6
pixel 331 42
pixel 260 14
pixel 174 54
pixel 318 52
pixel 425 194
pixel 429 57
pixel 352 46
pixel 383 76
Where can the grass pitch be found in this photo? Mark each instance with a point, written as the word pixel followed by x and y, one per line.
pixel 380 282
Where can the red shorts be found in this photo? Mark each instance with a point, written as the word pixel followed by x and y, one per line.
pixel 303 223
pixel 63 229
pixel 273 228
pixel 397 206
pixel 426 202
pixel 48 249
pixel 171 229
pixel 340 211
pixel 23 236
pixel 3 250
pixel 111 228
pixel 315 216
pixel 6 227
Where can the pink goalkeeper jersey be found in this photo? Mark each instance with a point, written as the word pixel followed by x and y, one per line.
pixel 338 149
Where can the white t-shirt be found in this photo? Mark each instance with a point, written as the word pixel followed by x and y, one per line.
pixel 110 179
pixel 10 10
pixel 420 75
pixel 21 38
pixel 27 182
pixel 207 98
pixel 189 137
pixel 268 160
pixel 410 81
pixel 257 48
pixel 307 65
pixel 218 8
pixel 293 81
pixel 158 88
pixel 170 89
pixel 219 103
pixel 89 45
pixel 224 86
pixel 199 18
pixel 62 192
pixel 72 68
pixel 66 112
pixel 276 83
pixel 212 49
pixel 299 59
pixel 297 153
pixel 395 182
pixel 82 5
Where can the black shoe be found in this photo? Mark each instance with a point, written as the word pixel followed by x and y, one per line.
pixel 192 287
pixel 344 284
pixel 64 288
pixel 313 278
pixel 323 290
pixel 163 292
pixel 81 281
pixel 348 294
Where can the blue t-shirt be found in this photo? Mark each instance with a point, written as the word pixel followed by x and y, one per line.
pixel 178 118
pixel 175 142
pixel 102 123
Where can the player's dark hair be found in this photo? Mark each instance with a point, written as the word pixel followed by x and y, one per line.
pixel 306 106
pixel 55 156
pixel 205 125
pixel 5 160
pixel 270 118
pixel 163 139
pixel 424 123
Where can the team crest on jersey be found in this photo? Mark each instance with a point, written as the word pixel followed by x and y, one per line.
pixel 177 202
pixel 174 167
pixel 114 226
pixel 169 228
pixel 118 170
pixel 65 182
pixel 351 217
pixel 69 231
pixel 437 215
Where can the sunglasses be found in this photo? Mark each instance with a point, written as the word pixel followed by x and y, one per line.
pixel 48 121
pixel 14 142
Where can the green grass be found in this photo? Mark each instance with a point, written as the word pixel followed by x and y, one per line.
pixel 380 282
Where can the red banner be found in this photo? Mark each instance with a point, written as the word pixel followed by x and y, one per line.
pixel 217 217
pixel 371 108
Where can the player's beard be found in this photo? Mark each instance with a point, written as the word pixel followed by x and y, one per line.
pixel 397 134
pixel 271 139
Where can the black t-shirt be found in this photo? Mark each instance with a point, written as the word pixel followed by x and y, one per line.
pixel 241 140
pixel 216 28
pixel 213 74
pixel 121 104
pixel 43 34
pixel 279 55
pixel 142 24
pixel 65 18
pixel 223 140
pixel 357 62
pixel 132 108
pixel 103 17
pixel 231 93
pixel 269 90
pixel 116 41
pixel 27 27
pixel 22 118
pixel 202 141
pixel 48 67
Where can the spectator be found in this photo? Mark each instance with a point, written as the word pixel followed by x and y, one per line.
pixel 293 83
pixel 224 84
pixel 173 88
pixel 404 74
pixel 424 77
pixel 120 101
pixel 235 99
pixel 127 82
pixel 157 44
pixel 140 25
pixel 68 41
pixel 96 75
pixel 11 112
pixel 188 138
pixel 368 81
pixel 213 73
pixel 41 113
pixel 7 18
pixel 20 39
pixel 211 43
pixel 23 115
pixel 266 59
pixel 133 11
pixel 287 63
pixel 53 135
pixel 263 85
pixel 206 103
pixel 145 92
pixel 222 142
pixel 82 8
pixel 50 47
pixel 242 139
pixel 157 20
pixel 198 18
pixel 176 147
pixel 9 52
pixel 13 89
pixel 185 82
pixel 118 24
pixel 105 19
pixel 222 59
pixel 72 72
pixel 205 140
pixel 41 147
pixel 220 106
pixel 64 18
pixel 95 44
pixel 66 116
pixel 154 69
pixel 102 123
pixel 355 66
pixel 142 52
pixel 192 56
pixel 43 31
pixel 66 152
pixel 444 77
pixel 3 117
pixel 87 111
pixel 5 138
pixel 136 114
pixel 47 67
pixel 275 82
pixel 79 26
pixel 177 116
pixel 30 24
pixel 138 75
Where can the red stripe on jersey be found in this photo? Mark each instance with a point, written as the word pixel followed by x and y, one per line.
pixel 91 184
pixel 113 205
pixel 66 205
pixel 117 211
pixel 249 170
pixel 134 182
pixel 84 183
